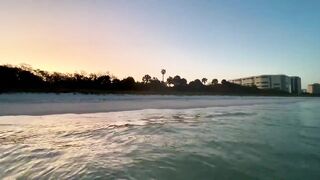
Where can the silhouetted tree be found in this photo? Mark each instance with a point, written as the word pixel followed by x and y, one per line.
pixel 204 80
pixel 170 81
pixel 44 75
pixel 183 82
pixel 196 84
pixel 116 84
pixel 179 82
pixel 146 78
pixel 214 81
pixel 176 80
pixel 155 84
pixel 127 83
pixel 224 82
pixel 17 78
pixel 103 81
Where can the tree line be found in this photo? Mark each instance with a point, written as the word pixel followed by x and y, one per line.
pixel 26 79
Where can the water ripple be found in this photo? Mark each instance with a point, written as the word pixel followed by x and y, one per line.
pixel 241 142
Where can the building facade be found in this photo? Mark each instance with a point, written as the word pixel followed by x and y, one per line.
pixel 280 82
pixel 296 85
pixel 314 88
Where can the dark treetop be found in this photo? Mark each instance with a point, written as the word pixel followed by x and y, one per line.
pixel 26 79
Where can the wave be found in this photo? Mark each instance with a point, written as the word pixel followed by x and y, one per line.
pixel 44 104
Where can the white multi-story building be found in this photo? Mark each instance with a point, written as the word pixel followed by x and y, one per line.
pixel 314 88
pixel 280 82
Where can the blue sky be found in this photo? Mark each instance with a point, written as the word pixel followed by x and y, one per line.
pixel 214 39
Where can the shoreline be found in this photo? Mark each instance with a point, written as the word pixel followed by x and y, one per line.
pixel 173 93
pixel 46 104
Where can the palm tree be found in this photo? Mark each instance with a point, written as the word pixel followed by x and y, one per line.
pixel 204 80
pixel 214 81
pixel 146 78
pixel 163 71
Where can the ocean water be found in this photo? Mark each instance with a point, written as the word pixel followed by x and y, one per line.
pixel 231 138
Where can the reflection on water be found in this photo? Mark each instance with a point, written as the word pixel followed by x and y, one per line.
pixel 271 141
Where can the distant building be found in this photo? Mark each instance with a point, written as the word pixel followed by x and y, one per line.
pixel 296 85
pixel 314 88
pixel 280 82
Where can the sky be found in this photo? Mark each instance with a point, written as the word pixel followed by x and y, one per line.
pixel 222 39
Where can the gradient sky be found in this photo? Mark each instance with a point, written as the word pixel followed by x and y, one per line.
pixel 193 38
